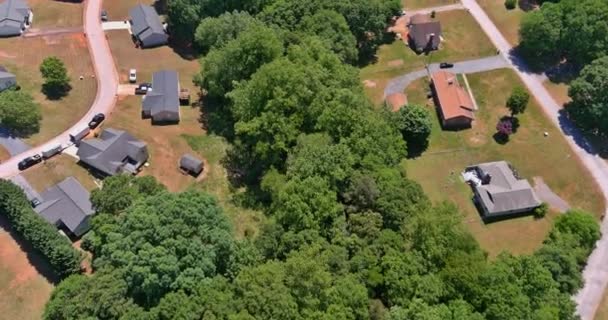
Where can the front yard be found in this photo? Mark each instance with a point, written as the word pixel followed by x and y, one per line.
pixel 463 39
pixel 529 151
pixel 55 170
pixel 56 13
pixel 507 21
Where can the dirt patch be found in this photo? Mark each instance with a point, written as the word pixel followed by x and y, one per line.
pixel 395 63
pixel 126 89
pixel 369 83
pixel 4 54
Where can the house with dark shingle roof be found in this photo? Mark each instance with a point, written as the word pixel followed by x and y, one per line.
pixel 113 152
pixel 191 164
pixel 424 33
pixel 146 27
pixel 500 192
pixel 161 102
pixel 15 17
pixel 454 104
pixel 67 205
pixel 7 79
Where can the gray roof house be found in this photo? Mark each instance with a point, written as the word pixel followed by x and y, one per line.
pixel 424 33
pixel 500 192
pixel 146 26
pixel 7 79
pixel 67 206
pixel 161 103
pixel 15 17
pixel 113 152
pixel 191 164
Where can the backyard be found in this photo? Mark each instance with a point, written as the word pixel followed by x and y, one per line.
pixel 55 170
pixel 463 39
pixel 529 151
pixel 55 14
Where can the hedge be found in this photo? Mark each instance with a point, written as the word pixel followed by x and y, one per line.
pixel 58 250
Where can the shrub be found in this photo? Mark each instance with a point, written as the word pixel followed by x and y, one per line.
pixel 510 4
pixel 63 258
pixel 541 211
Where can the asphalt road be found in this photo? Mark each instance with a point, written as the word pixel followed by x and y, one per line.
pixel 596 272
pixel 107 84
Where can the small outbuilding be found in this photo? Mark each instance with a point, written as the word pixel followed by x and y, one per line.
pixel 7 79
pixel 191 164
pixel 396 101
pixel 146 27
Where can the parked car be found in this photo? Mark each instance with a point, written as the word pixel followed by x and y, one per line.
pixel 445 65
pixel 104 15
pixel 35 202
pixel 29 161
pixel 143 88
pixel 97 120
pixel 132 75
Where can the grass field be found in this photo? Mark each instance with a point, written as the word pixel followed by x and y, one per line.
pixel 54 13
pixel 602 311
pixel 532 154
pixel 23 56
pixel 463 40
pixel 55 170
pixel 421 4
pixel 507 21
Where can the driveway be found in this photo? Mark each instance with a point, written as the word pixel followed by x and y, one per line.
pixel 115 25
pixel 12 144
pixel 107 84
pixel 596 271
pixel 399 84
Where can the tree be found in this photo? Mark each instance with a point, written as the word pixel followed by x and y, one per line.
pixel 56 79
pixel 332 29
pixel 415 123
pixel 589 106
pixel 19 112
pixel 582 225
pixel 217 31
pixel 504 129
pixel 541 36
pixel 120 191
pixel 518 100
pixel 510 4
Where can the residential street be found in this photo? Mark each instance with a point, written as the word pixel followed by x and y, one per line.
pixel 106 90
pixel 596 271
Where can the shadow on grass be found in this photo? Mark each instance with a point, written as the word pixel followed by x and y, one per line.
pixel 185 50
pixel 581 138
pixel 34 257
pixel 54 92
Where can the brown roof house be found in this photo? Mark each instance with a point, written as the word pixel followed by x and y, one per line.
pixel 499 192
pixel 396 101
pixel 454 104
pixel 424 33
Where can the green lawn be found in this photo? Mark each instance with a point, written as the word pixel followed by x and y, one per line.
pixel 421 4
pixel 463 40
pixel 532 154
pixel 507 21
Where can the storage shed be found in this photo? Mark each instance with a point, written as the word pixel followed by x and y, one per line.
pixel 191 164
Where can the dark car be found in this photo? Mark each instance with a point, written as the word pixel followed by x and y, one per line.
pixel 143 88
pixel 35 202
pixel 29 161
pixel 97 120
pixel 445 65
pixel 104 15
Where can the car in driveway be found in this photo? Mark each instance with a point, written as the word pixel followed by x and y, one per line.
pixel 143 88
pixel 29 161
pixel 104 15
pixel 446 65
pixel 132 75
pixel 97 120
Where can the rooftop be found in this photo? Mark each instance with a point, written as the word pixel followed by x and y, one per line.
pixel 12 16
pixel 164 95
pixel 454 101
pixel 145 20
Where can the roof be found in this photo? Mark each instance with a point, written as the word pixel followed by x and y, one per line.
pixel 396 100
pixel 66 202
pixel 12 16
pixel 422 29
pixel 190 162
pixel 505 192
pixel 145 21
pixel 5 74
pixel 110 151
pixel 420 18
pixel 453 100
pixel 164 95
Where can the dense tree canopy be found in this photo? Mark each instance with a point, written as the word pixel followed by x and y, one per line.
pixel 217 31
pixel 415 123
pixel 19 112
pixel 589 106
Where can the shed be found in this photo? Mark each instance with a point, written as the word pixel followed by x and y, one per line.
pixel 191 164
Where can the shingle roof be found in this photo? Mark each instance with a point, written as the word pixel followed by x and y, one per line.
pixel 12 16
pixel 505 192
pixel 454 101
pixel 421 30
pixel 145 21
pixel 164 95
pixel 66 202
pixel 191 163
pixel 110 151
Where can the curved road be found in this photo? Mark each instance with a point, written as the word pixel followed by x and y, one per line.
pixel 596 271
pixel 107 84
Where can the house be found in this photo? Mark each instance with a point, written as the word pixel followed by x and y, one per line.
pixel 424 33
pixel 396 100
pixel 454 104
pixel 146 27
pixel 7 79
pixel 499 192
pixel 161 103
pixel 15 17
pixel 113 152
pixel 191 164
pixel 67 206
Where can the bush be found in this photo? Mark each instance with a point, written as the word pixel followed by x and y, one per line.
pixel 541 211
pixel 63 258
pixel 510 4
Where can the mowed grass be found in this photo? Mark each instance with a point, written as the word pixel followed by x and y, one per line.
pixel 417 92
pixel 55 170
pixel 55 14
pixel 463 40
pixel 602 311
pixel 421 4
pixel 559 91
pixel 119 9
pixel 507 21
pixel 4 154
pixel 23 289
pixel 438 169
pixel 23 56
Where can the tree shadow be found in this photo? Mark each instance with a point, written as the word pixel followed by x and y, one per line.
pixel 54 92
pixel 528 5
pixel 185 50
pixel 35 258
pixel 215 116
pixel 563 73
pixel 500 138
pixel 580 137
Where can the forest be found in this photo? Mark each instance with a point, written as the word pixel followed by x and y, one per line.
pixel 348 236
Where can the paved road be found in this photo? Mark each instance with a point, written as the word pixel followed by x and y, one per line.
pixel 107 84
pixel 596 271
pixel 470 66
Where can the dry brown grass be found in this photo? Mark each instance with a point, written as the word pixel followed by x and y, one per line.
pixel 417 92
pixel 4 154
pixel 507 21
pixel 602 311
pixel 53 13
pixel 559 91
pixel 55 170
pixel 23 57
